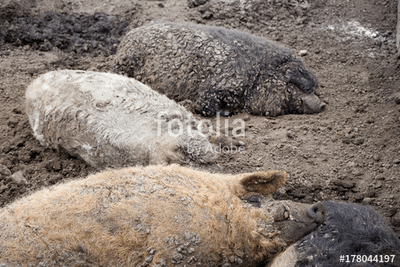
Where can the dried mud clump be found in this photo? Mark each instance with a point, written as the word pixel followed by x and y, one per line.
pixel 155 216
pixel 218 69
pixel 112 121
pixel 69 32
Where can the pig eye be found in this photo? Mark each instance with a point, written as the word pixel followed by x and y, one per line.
pixel 254 201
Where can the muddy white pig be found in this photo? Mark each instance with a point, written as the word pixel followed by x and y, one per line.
pixel 351 235
pixel 218 69
pixel 111 121
pixel 154 216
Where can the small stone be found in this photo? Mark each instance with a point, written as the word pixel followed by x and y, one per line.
pixel 347 184
pixel 246 117
pixel 358 196
pixel 18 177
pixel 241 143
pixel 367 200
pixel 303 53
pixel 177 256
pixel 396 161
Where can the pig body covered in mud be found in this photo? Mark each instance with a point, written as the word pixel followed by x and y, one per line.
pixel 113 121
pixel 218 69
pixel 351 235
pixel 154 216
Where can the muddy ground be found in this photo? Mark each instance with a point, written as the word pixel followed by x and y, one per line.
pixel 349 152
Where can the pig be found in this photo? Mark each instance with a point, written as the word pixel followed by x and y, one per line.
pixel 155 216
pixel 218 69
pixel 351 235
pixel 113 121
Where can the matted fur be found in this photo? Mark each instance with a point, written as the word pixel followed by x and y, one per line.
pixel 156 216
pixel 217 68
pixel 111 120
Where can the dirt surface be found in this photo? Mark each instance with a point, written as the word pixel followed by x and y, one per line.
pixel 349 152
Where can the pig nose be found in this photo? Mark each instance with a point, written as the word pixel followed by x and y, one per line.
pixel 316 211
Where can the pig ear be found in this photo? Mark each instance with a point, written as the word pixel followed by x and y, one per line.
pixel 263 182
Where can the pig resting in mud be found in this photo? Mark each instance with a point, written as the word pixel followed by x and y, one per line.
pixel 358 233
pixel 113 121
pixel 218 69
pixel 155 216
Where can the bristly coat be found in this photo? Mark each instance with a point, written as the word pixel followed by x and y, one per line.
pixel 218 69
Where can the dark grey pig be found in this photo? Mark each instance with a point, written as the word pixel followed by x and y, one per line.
pixel 218 69
pixel 352 235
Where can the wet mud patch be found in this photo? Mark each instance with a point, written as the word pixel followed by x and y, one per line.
pixel 69 32
pixel 256 15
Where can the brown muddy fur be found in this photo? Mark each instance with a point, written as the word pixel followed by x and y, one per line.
pixel 156 216
pixel 218 69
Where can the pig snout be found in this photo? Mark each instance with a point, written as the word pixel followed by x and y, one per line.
pixel 316 211
pixel 312 104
